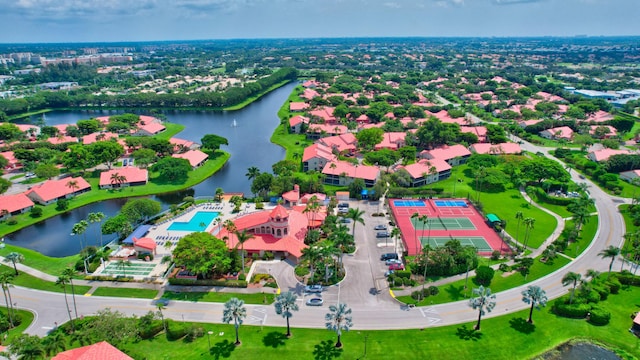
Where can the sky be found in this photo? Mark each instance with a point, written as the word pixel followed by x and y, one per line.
pixel 34 21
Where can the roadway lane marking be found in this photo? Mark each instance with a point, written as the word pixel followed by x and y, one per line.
pixel 428 310
pixel 433 321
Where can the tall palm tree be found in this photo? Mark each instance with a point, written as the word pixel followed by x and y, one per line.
pixel 54 343
pixel 230 226
pixel 355 214
pixel 62 281
pixel 252 173
pixel 96 217
pixel 571 278
pixel 312 254
pixel 395 232
pixel 480 172
pixel 592 274
pixel 432 171
pixel 80 228
pixel 235 311
pixel 5 280
pixel 519 216
pixel 338 319
pixel 286 303
pixel 160 306
pixel 610 252
pixel 219 194
pixel 535 296
pixel 15 257
pixel 69 272
pixel 242 237
pixel 528 224
pixel 484 301
pixel 415 215
pixel 313 206
pixel 31 350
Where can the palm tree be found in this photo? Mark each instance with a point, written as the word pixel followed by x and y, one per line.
pixel 5 280
pixel 80 228
pixel 230 226
pixel 484 301
pixel 610 252
pixel 73 185
pixel 355 214
pixel 234 310
pixel 96 217
pixel 432 171
pixel 592 274
pixel 219 194
pixel 313 206
pixel 312 254
pixel 519 216
pixel 161 307
pixel 395 232
pixel 286 303
pixel 69 272
pixel 242 238
pixel 54 343
pixel 571 278
pixel 15 257
pixel 338 319
pixel 480 172
pixel 31 350
pixel 416 216
pixel 535 296
pixel 63 280
pixel 252 173
pixel 528 224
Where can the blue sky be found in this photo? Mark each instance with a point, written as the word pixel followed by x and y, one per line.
pixel 143 20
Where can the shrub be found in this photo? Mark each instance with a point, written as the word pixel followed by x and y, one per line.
pixel 271 285
pixel 193 333
pixel 175 330
pixel 405 274
pixel 495 255
pixel 268 255
pixel 209 282
pixel 626 278
pixel 259 277
pixel 504 268
pixel 302 271
pixel 143 256
pixel 242 277
pixel 433 290
pixel 574 311
pixel 614 285
pixel 259 205
pixel 484 275
pixel 12 220
pixel 36 211
pixel 603 292
pixel 152 330
pixel 599 316
pixel 62 204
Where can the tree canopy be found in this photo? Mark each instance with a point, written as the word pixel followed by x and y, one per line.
pixel 202 254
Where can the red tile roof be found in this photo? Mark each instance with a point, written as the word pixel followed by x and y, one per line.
pixel 298 119
pixel 152 128
pixel 298 106
pixel 339 168
pixel 99 351
pixel 325 113
pixel 131 173
pixel 344 142
pixel 496 149
pixel 53 189
pixel 62 139
pixel 317 150
pixel 293 195
pixel 16 202
pixel 279 212
pixel 12 161
pixel 391 140
pixel 145 243
pixel 443 116
pixel 195 157
pixel 448 152
pixel 93 137
pixel 416 170
pixel 331 129
pixel 561 132
pixel 605 154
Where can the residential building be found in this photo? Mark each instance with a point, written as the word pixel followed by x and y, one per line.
pixel 196 157
pixel 98 351
pixel 392 141
pixel 343 173
pixel 453 155
pixel 14 205
pixel 123 177
pixel 496 149
pixel 51 190
pixel 426 172
pixel 558 133
pixel 316 156
pixel 630 176
pixel 605 154
pixel 296 123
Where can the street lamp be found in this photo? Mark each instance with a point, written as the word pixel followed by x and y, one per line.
pixel 209 337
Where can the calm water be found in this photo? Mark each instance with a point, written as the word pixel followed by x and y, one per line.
pixel 249 145
pixel 580 351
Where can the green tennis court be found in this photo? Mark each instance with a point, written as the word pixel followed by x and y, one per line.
pixel 448 223
pixel 129 269
pixel 476 241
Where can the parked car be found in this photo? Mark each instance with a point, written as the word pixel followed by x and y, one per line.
pixel 313 288
pixel 393 261
pixel 387 256
pixel 315 301
pixel 382 234
pixel 396 267
pixel 388 273
pixel 343 205
pixel 380 227
pixel 345 220
pixel 343 210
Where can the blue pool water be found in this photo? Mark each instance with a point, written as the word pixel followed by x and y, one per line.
pixel 450 203
pixel 405 203
pixel 201 217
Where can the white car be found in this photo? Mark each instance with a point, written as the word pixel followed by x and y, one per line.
pixel 313 288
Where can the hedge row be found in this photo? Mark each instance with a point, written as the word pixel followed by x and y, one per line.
pixel 151 331
pixel 209 282
pixel 627 278
pixel 544 197
pixel 119 278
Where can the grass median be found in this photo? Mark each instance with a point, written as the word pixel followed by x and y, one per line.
pixel 219 297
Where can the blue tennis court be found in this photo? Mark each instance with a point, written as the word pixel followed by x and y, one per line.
pixel 450 203
pixel 408 203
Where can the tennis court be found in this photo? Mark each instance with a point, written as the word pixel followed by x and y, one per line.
pixel 443 223
pixel 408 203
pixel 476 241
pixel 128 269
pixel 450 203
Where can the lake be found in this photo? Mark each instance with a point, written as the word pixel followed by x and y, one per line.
pixel 249 145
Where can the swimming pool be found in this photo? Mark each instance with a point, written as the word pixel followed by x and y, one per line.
pixel 405 203
pixel 196 222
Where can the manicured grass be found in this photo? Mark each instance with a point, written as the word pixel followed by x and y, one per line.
pixel 32 282
pixel 587 233
pixel 41 262
pixel 455 291
pixel 170 130
pixel 155 186
pixel 31 113
pixel 256 97
pixel 27 319
pixel 126 292
pixel 504 337
pixel 294 144
pixel 219 297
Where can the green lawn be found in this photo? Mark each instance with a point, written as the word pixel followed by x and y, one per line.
pixel 170 131
pixel 34 259
pixel 256 97
pixel 126 292
pixel 455 291
pixel 27 319
pixel 219 297
pixel 155 186
pixel 26 280
pixel 587 234
pixel 504 337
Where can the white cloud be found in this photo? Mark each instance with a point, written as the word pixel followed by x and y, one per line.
pixel 513 2
pixel 393 5
pixel 66 9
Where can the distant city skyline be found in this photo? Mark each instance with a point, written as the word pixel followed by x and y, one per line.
pixel 35 21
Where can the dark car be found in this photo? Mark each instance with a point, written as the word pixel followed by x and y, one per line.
pixel 380 227
pixel 343 205
pixel 345 220
pixel 382 234
pixel 315 301
pixel 388 256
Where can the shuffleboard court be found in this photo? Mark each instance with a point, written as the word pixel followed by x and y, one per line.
pixel 443 223
pixel 130 269
pixel 476 241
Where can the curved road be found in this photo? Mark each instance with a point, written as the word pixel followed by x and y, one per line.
pixel 363 289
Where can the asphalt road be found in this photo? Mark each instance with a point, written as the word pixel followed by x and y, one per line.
pixel 364 288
